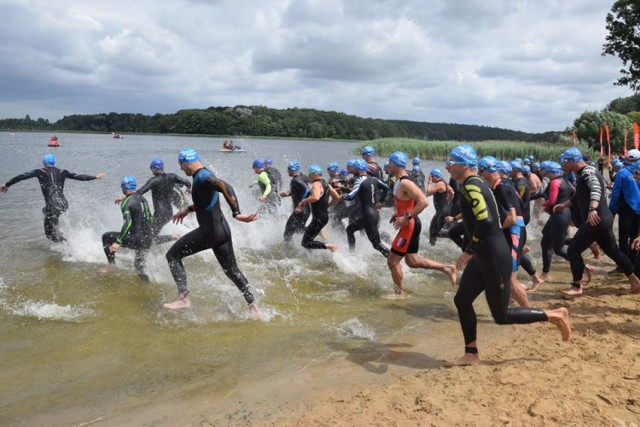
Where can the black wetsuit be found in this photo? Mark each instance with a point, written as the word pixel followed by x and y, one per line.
pixel 320 218
pixel 590 186
pixel 213 232
pixel 272 201
pixel 523 190
pixel 52 182
pixel 489 269
pixel 163 194
pixel 276 178
pixel 515 234
pixel 136 232
pixel 442 207
pixel 369 191
pixel 299 189
pixel 554 231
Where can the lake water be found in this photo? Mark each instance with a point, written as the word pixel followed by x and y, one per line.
pixel 76 345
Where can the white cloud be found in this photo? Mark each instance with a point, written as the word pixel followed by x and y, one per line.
pixel 526 65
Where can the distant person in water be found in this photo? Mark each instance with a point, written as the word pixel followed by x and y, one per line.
pixel 213 231
pixel 410 201
pixel 137 230
pixel 163 193
pixel 52 182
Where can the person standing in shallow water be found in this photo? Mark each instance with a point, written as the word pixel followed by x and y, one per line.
pixel 488 261
pixel 410 201
pixel 213 231
pixel 52 185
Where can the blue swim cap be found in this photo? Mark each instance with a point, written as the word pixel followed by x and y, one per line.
pixel 527 161
pixel 516 165
pixel 399 159
pixel 129 183
pixel 361 165
pixel 435 172
pixel 49 160
pixel 535 165
pixel 551 167
pixel 317 169
pixel 351 163
pixel 333 167
pixel 258 163
pixel 344 172
pixel 489 164
pixel 188 155
pixel 293 166
pixel 526 169
pixel 415 161
pixel 386 165
pixel 464 155
pixel 368 151
pixel 157 164
pixel 416 168
pixel 617 164
pixel 504 167
pixel 531 158
pixel 571 155
pixel 268 161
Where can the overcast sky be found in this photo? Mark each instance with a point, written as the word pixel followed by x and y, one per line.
pixel 530 65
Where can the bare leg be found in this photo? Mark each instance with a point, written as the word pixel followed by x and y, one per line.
pixel 255 311
pixel 414 261
pixel 575 290
pixel 519 292
pixel 560 318
pixel 635 283
pixel 182 302
pixel 393 262
pixel 589 270
pixel 595 250
pixel 332 247
pixel 537 281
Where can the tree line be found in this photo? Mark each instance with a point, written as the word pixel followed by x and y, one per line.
pixel 270 122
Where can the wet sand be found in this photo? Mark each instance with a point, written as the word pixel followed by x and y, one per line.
pixel 528 376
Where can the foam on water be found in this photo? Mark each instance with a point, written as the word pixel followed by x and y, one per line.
pixel 354 328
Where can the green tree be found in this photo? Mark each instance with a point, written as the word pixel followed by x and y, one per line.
pixel 588 127
pixel 623 40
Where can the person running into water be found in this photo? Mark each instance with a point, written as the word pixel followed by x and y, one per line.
pixel 268 195
pixel 598 225
pixel 369 156
pixel 212 233
pixel 163 189
pixel 438 188
pixel 319 201
pixel 370 192
pixel 298 190
pixel 274 174
pixel 137 230
pixel 51 181
pixel 410 201
pixel 487 260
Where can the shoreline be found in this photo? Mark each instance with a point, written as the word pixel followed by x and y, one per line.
pixel 528 376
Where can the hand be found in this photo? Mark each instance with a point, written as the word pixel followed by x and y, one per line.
pixel 120 199
pixel 557 208
pixel 378 206
pixel 635 245
pixel 593 218
pixel 178 217
pixel 262 198
pixel 247 218
pixel 400 222
pixel 3 188
pixel 114 247
pixel 284 194
pixel 463 260
pixel 448 219
pixel 100 175
pixel 393 218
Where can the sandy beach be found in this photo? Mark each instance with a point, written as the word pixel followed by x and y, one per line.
pixel 528 376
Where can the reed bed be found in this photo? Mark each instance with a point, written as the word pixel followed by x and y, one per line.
pixel 439 150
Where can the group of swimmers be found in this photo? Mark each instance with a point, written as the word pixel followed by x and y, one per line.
pixel 484 208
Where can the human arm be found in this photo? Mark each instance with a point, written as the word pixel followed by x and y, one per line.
pixel 82 177
pixel 435 187
pixel 335 196
pixel 410 189
pixel 27 175
pixel 263 179
pixel 354 191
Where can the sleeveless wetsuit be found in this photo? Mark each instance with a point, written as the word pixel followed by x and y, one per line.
pixel 442 207
pixel 407 241
pixel 320 218
pixel 213 232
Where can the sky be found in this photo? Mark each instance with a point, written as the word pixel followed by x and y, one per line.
pixel 528 65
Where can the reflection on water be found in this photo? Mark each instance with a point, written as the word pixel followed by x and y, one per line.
pixel 76 344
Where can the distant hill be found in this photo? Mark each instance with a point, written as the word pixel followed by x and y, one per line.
pixel 270 122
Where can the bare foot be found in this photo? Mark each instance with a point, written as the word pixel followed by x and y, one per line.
pixel 596 251
pixel 526 250
pixel 108 269
pixel 450 270
pixel 560 318
pixel 255 311
pixel 332 247
pixel 183 302
pixel 537 281
pixel 395 296
pixel 468 359
pixel 546 277
pixel 635 289
pixel 589 270
pixel 176 236
pixel 574 291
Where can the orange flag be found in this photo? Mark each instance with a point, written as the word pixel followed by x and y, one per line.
pixel 636 135
pixel 574 137
pixel 606 129
pixel 626 131
pixel 601 147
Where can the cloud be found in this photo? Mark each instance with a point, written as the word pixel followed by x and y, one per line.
pixel 531 66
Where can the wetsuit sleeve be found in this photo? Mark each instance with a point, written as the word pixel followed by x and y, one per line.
pixel 589 176
pixel 181 181
pixel 78 176
pixel 227 191
pixel 263 178
pixel 147 185
pixel 22 177
pixel 354 191
pixel 128 220
pixel 383 190
pixel 554 190
pixel 484 219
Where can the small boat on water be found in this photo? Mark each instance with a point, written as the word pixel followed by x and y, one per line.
pixel 116 135
pixel 53 142
pixel 230 147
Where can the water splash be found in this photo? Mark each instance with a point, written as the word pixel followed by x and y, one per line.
pixel 354 328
